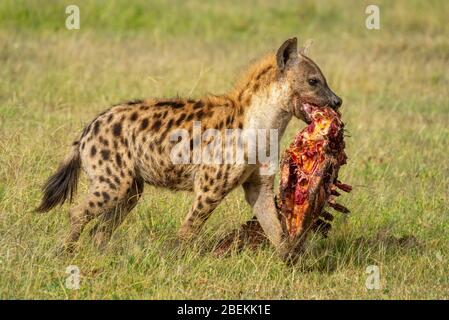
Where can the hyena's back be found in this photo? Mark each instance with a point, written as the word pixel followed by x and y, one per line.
pixel 132 140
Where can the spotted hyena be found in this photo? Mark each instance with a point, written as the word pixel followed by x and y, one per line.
pixel 129 145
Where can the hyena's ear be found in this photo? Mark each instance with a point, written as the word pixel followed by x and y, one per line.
pixel 287 54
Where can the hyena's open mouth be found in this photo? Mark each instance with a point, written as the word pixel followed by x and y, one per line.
pixel 309 109
pixel 305 110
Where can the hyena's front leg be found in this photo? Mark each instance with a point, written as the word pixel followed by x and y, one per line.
pixel 259 194
pixel 200 211
pixel 212 184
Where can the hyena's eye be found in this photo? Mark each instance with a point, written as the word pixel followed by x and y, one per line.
pixel 313 82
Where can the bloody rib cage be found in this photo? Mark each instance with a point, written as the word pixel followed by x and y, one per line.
pixel 308 181
pixel 308 175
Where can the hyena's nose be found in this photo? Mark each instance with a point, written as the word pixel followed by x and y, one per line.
pixel 336 102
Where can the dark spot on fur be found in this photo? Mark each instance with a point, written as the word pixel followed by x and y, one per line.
pixel 173 104
pixel 169 124
pixel 86 130
pixel 110 117
pixel 93 151
pixel 117 129
pixel 112 185
pixel 198 105
pixel 118 160
pixel 156 125
pixel 91 204
pixel 97 127
pixel 210 200
pixel 104 141
pixel 97 193
pixel 190 117
pixel 134 116
pixel 108 170
pixel 106 196
pixel 200 114
pixel 180 119
pixel 105 154
pixel 144 124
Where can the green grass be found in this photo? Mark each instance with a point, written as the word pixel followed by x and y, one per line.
pixel 394 85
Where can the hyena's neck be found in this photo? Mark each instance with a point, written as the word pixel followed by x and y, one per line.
pixel 265 110
pixel 261 99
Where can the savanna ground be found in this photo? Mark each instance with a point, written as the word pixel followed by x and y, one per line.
pixel 394 84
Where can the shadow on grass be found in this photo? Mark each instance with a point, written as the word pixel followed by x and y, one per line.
pixel 325 255
pixel 329 255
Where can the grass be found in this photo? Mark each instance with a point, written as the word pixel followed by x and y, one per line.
pixel 394 85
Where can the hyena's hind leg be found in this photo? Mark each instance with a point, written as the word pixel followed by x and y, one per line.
pixel 115 215
pixel 80 216
pixel 103 197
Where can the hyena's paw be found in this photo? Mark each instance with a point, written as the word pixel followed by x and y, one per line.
pixel 186 234
pixel 100 238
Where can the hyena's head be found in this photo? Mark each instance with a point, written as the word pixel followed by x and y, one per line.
pixel 308 88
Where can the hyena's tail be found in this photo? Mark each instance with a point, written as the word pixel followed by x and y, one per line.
pixel 62 185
